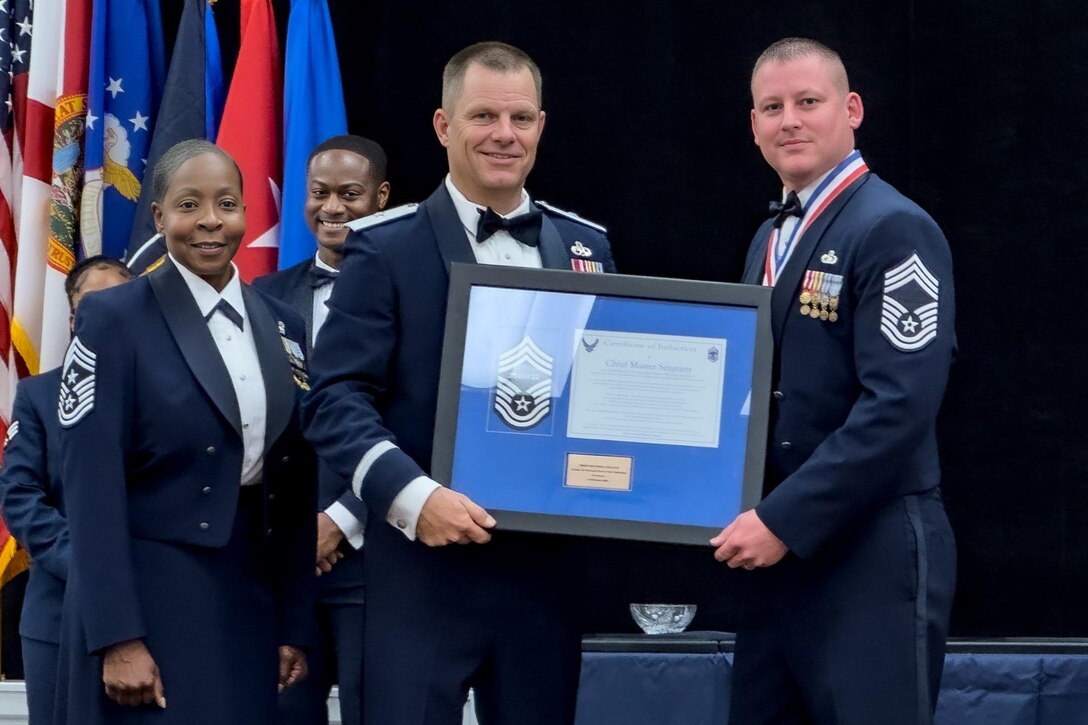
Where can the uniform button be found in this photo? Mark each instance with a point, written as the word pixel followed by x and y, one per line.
pixel 787 445
pixel 285 459
pixel 271 497
pixel 204 525
pixel 778 395
pixel 269 532
pixel 402 524
pixel 229 338
pixel 241 377
pixel 209 450
pixel 508 256
pixel 207 489
pixel 245 426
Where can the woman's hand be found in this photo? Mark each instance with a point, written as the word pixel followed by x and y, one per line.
pixel 292 666
pixel 131 675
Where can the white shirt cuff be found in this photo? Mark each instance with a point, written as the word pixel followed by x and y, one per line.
pixel 351 527
pixel 406 507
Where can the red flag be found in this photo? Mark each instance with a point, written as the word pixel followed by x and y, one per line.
pixel 250 132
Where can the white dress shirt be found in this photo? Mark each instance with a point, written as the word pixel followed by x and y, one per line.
pixel 502 249
pixel 789 227
pixel 321 299
pixel 238 349
pixel 351 527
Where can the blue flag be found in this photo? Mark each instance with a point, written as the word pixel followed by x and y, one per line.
pixel 125 83
pixel 313 110
pixel 183 114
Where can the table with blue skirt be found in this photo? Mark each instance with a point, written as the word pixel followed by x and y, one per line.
pixel 685 680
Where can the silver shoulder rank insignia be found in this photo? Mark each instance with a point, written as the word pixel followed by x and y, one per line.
pixel 382 217
pixel 909 313
pixel 13 430
pixel 570 215
pixel 580 250
pixel 523 387
pixel 76 384
pixel 829 257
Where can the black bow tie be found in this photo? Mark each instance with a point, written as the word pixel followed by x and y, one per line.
pixel 228 311
pixel 790 207
pixel 525 228
pixel 319 276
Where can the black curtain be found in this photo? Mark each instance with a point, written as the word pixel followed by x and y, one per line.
pixel 975 109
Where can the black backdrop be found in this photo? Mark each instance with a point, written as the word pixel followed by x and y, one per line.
pixel 976 109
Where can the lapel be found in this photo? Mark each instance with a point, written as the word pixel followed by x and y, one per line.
pixel 302 301
pixel 279 386
pixel 753 273
pixel 190 332
pixel 448 231
pixel 553 252
pixel 786 286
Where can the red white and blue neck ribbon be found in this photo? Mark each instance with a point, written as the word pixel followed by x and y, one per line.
pixel 840 177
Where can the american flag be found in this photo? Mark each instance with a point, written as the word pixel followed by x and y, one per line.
pixel 16 31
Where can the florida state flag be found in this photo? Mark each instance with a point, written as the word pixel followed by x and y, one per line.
pixel 250 132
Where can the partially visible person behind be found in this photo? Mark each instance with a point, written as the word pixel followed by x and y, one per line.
pixel 32 502
pixel 188 487
pixel 345 180
pixel 850 555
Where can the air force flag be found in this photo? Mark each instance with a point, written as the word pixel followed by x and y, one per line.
pixel 909 314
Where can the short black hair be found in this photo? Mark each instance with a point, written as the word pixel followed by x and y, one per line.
pixel 74 279
pixel 369 149
pixel 178 154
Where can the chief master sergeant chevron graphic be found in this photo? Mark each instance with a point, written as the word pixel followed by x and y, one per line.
pixel 909 314
pixel 523 388
pixel 76 384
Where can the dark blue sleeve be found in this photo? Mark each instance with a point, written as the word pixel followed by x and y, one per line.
pixel 351 374
pixel 29 513
pixel 93 449
pixel 901 393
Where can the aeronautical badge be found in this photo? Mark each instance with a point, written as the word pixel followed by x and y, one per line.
pixel 13 430
pixel 523 388
pixel 829 257
pixel 909 313
pixel 580 250
pixel 76 384
pixel 297 359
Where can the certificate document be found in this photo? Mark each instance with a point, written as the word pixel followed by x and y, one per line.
pixel 646 388
pixel 604 405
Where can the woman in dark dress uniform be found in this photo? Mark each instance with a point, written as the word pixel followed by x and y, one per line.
pixel 190 492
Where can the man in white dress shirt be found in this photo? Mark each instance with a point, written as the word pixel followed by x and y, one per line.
pixel 494 615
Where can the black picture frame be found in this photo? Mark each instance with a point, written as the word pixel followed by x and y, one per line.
pixel 464 278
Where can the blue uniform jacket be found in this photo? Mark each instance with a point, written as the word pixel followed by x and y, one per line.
pixel 372 404
pixel 855 404
pixel 30 496
pixel 158 454
pixel 294 287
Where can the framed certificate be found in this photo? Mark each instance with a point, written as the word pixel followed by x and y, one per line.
pixel 604 405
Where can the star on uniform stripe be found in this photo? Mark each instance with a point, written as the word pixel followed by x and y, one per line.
pixel 138 122
pixel 114 86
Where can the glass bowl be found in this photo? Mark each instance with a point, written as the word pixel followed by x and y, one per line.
pixel 662 618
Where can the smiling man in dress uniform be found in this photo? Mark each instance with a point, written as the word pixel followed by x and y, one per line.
pixel 850 554
pixel 446 610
